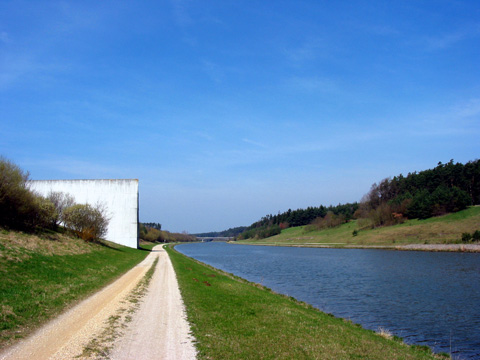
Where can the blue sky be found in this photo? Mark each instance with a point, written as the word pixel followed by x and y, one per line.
pixel 230 110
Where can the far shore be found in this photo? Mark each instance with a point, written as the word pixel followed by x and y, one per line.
pixel 471 248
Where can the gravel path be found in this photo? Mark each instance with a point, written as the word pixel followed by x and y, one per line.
pixel 157 330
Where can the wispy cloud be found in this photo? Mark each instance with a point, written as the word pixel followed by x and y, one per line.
pixel 256 143
pixel 448 40
pixel 204 135
pixel 308 51
pixel 13 67
pixel 469 108
pixel 180 12
pixel 75 168
pixel 382 30
pixel 214 71
pixel 459 119
pixel 312 84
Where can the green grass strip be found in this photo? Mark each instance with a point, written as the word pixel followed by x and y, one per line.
pixel 34 287
pixel 235 319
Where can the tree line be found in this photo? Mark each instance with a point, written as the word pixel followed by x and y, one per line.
pixel 155 234
pixel 232 232
pixel 449 187
pixel 271 225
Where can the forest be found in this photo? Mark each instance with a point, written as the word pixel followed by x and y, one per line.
pixel 447 188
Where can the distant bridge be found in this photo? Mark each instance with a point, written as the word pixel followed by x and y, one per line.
pixel 208 239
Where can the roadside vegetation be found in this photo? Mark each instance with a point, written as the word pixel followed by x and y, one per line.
pixel 234 319
pixel 457 228
pixel 42 274
pixel 447 188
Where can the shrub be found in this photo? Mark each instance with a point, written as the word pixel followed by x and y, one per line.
pixel 355 232
pixel 330 220
pixel 61 201
pixel 284 225
pixel 45 214
pixel 268 231
pixel 476 235
pixel 19 207
pixel 466 237
pixel 16 201
pixel 153 235
pixel 88 222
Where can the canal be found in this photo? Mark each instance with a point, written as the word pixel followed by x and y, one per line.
pixel 426 298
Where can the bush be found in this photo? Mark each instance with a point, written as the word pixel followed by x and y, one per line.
pixel 284 225
pixel 330 220
pixel 16 201
pixel 88 222
pixel 153 235
pixel 60 201
pixel 269 231
pixel 466 237
pixel 20 208
pixel 476 235
pixel 45 215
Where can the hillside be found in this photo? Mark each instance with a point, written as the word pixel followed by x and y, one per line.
pixel 437 230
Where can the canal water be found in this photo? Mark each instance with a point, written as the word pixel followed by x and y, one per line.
pixel 426 298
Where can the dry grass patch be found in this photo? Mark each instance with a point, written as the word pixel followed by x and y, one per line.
pixel 48 243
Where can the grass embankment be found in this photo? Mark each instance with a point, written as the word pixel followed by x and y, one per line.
pixel 234 319
pixel 41 275
pixel 446 229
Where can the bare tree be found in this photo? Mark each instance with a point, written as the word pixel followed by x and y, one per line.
pixel 61 201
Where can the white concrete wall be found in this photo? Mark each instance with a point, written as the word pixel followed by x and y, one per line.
pixel 120 198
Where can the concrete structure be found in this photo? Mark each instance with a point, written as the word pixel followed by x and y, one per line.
pixel 120 198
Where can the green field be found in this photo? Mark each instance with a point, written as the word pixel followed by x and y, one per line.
pixel 438 230
pixel 234 319
pixel 41 275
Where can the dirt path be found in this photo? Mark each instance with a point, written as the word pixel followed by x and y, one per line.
pixel 157 330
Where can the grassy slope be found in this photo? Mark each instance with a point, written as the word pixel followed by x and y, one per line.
pixel 438 230
pixel 234 319
pixel 41 275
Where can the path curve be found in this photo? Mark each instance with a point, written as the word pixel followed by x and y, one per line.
pixel 160 312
